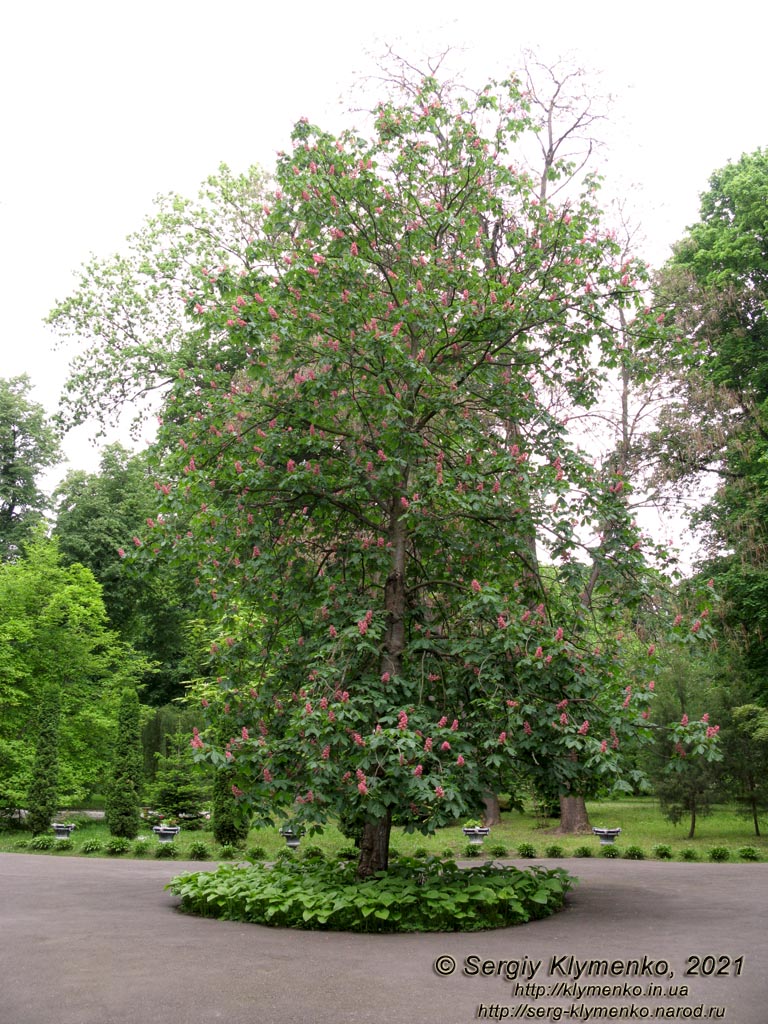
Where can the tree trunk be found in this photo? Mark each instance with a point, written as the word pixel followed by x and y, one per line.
pixel 492 812
pixel 693 820
pixel 374 847
pixel 574 819
pixel 755 820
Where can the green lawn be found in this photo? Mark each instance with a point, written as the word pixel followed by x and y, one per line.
pixel 640 820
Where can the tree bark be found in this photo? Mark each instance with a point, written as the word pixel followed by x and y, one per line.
pixel 574 819
pixel 693 819
pixel 374 847
pixel 492 812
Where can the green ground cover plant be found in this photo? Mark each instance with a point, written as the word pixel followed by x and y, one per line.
pixel 416 895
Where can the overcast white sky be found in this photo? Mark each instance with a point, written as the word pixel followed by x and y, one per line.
pixel 107 104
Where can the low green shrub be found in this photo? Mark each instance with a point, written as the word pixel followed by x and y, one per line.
pixel 748 853
pixel 661 851
pixel 420 851
pixel 256 853
pixel 312 852
pixel 553 851
pixel 498 850
pixel 92 846
pixel 689 853
pixel 634 853
pixel 199 851
pixel 229 852
pixel 719 853
pixel 473 850
pixel 582 851
pixel 611 852
pixel 166 851
pixel 42 842
pixel 141 847
pixel 418 895
pixel 350 853
pixel 526 850
pixel 63 845
pixel 117 846
pixel 22 844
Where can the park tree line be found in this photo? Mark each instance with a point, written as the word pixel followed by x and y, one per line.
pixel 370 542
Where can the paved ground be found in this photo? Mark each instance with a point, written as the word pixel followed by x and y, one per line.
pixel 100 942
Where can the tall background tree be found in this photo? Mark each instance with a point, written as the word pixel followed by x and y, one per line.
pixel 54 636
pixel 98 515
pixel 716 288
pixel 28 445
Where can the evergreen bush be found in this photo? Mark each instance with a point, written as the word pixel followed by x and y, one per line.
pixel 179 791
pixel 42 802
pixel 123 797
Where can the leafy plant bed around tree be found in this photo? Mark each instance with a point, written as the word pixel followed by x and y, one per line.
pixel 415 895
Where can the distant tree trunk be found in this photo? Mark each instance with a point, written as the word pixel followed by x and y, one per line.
pixel 755 816
pixel 492 812
pixel 374 847
pixel 574 819
pixel 693 818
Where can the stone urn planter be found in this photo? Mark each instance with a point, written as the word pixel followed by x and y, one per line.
pixel 292 838
pixel 62 831
pixel 607 836
pixel 476 834
pixel 166 833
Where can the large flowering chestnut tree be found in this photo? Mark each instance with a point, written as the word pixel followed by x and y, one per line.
pixel 417 578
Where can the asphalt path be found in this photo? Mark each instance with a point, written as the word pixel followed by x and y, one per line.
pixel 101 942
